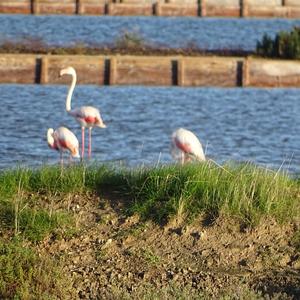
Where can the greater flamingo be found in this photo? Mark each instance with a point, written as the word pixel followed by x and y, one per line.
pixel 86 116
pixel 186 146
pixel 62 139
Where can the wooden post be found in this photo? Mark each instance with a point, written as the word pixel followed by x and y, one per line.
pixel 180 72
pixel 35 9
pixel 174 71
pixel 108 8
pixel 113 71
pixel 44 70
pixel 244 8
pixel 245 74
pixel 157 9
pixel 79 7
pixel 203 8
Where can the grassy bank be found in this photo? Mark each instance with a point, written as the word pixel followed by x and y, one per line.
pixel 129 43
pixel 36 205
pixel 244 192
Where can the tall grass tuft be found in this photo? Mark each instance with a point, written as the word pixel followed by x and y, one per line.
pixel 245 192
pixel 50 179
pixel 23 208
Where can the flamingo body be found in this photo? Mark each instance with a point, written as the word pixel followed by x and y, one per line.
pixel 86 116
pixel 62 139
pixel 186 146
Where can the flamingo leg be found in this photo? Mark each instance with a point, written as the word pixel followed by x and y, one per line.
pixel 90 143
pixel 61 163
pixel 61 159
pixel 182 157
pixel 82 142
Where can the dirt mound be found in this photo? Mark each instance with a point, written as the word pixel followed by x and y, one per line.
pixel 119 257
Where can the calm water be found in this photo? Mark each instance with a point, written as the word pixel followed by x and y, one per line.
pixel 258 125
pixel 210 33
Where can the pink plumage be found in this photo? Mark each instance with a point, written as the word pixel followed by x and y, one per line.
pixel 62 139
pixel 186 146
pixel 87 116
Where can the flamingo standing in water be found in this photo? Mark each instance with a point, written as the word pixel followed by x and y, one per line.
pixel 86 116
pixel 186 146
pixel 62 139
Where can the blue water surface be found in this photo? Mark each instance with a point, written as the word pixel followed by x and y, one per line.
pixel 257 125
pixel 175 32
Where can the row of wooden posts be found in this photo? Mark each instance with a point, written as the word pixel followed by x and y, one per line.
pixel 203 8
pixel 151 70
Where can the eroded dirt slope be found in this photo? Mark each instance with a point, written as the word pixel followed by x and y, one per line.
pixel 119 257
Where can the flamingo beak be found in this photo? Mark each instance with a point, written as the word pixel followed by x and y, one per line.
pixel 75 154
pixel 102 125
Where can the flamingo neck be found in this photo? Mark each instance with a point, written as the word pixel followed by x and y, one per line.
pixel 50 139
pixel 70 92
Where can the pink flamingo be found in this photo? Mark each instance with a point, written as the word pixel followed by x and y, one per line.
pixel 186 146
pixel 62 139
pixel 86 116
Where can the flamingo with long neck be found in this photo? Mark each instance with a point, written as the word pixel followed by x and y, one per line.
pixel 86 116
pixel 62 139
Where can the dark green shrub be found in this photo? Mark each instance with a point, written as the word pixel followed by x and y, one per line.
pixel 284 45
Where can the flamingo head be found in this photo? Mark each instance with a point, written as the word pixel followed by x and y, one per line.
pixel 50 139
pixel 101 124
pixel 75 153
pixel 67 71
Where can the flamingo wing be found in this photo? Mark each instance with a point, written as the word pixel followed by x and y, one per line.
pixel 66 140
pixel 88 116
pixel 183 145
pixel 187 142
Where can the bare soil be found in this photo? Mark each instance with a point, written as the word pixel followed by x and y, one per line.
pixel 117 257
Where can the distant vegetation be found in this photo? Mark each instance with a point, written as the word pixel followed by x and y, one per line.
pixel 283 45
pixel 127 43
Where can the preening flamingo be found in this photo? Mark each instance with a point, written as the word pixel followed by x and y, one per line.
pixel 62 139
pixel 86 116
pixel 186 146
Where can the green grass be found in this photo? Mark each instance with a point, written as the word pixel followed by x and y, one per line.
pixel 149 256
pixel 245 192
pixel 25 275
pixel 26 211
pixel 49 180
pixel 35 224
